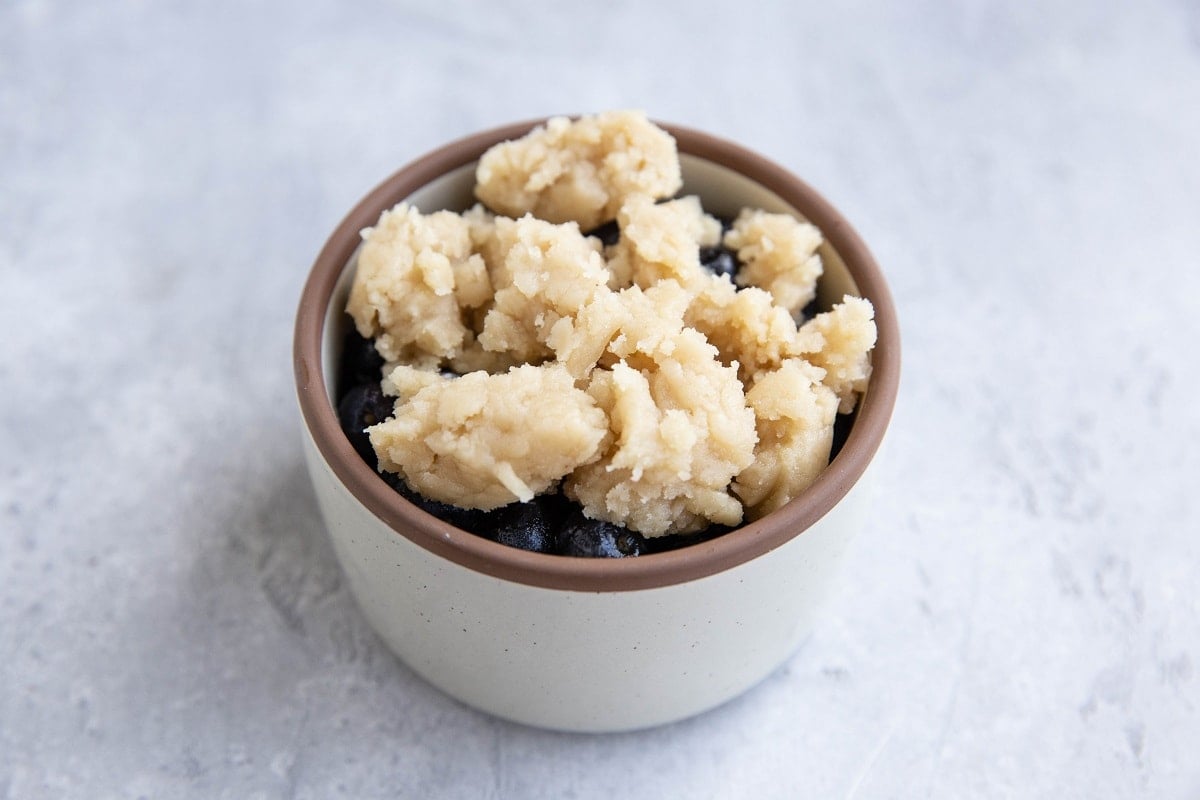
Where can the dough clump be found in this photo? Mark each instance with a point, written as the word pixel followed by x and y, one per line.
pixel 579 171
pixel 680 428
pixel 487 440
pixel 417 275
pixel 527 357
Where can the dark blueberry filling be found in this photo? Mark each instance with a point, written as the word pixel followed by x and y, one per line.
pixel 469 519
pixel 360 363
pixel 719 260
pixel 609 233
pixel 592 538
pixel 549 523
pixel 662 544
pixel 842 423
pixel 810 310
pixel 361 407
pixel 528 526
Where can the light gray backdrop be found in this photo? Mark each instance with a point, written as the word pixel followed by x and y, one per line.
pixel 1019 619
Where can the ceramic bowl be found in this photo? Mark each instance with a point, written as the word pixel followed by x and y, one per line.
pixel 589 644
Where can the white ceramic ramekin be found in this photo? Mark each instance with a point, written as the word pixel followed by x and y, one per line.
pixel 589 644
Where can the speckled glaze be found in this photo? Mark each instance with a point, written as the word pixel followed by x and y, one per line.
pixel 583 644
pixel 578 660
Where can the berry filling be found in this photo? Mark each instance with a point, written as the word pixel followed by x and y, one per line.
pixel 549 523
pixel 667 372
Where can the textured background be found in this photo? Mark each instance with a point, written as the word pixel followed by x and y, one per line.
pixel 1020 618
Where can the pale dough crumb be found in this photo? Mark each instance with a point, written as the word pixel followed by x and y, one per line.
pixel 416 275
pixel 484 441
pixel 542 272
pixel 580 171
pixel 658 396
pixel 839 341
pixel 660 242
pixel 794 413
pixel 780 255
pixel 746 326
pixel 680 427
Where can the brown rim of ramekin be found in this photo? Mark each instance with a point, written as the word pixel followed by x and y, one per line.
pixel 587 574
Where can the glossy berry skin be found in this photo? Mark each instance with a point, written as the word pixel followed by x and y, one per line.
pixel 842 425
pixel 592 538
pixel 609 233
pixel 361 407
pixel 549 524
pixel 471 520
pixel 525 526
pixel 361 363
pixel 719 260
pixel 661 544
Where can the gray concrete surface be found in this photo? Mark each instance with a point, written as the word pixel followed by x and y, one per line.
pixel 1019 619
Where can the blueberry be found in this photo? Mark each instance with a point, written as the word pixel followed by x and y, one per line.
pixel 661 544
pixel 592 538
pixel 810 310
pixel 361 363
pixel 842 424
pixel 549 524
pixel 556 508
pixel 525 526
pixel 363 406
pixel 719 260
pixel 609 233
pixel 472 520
